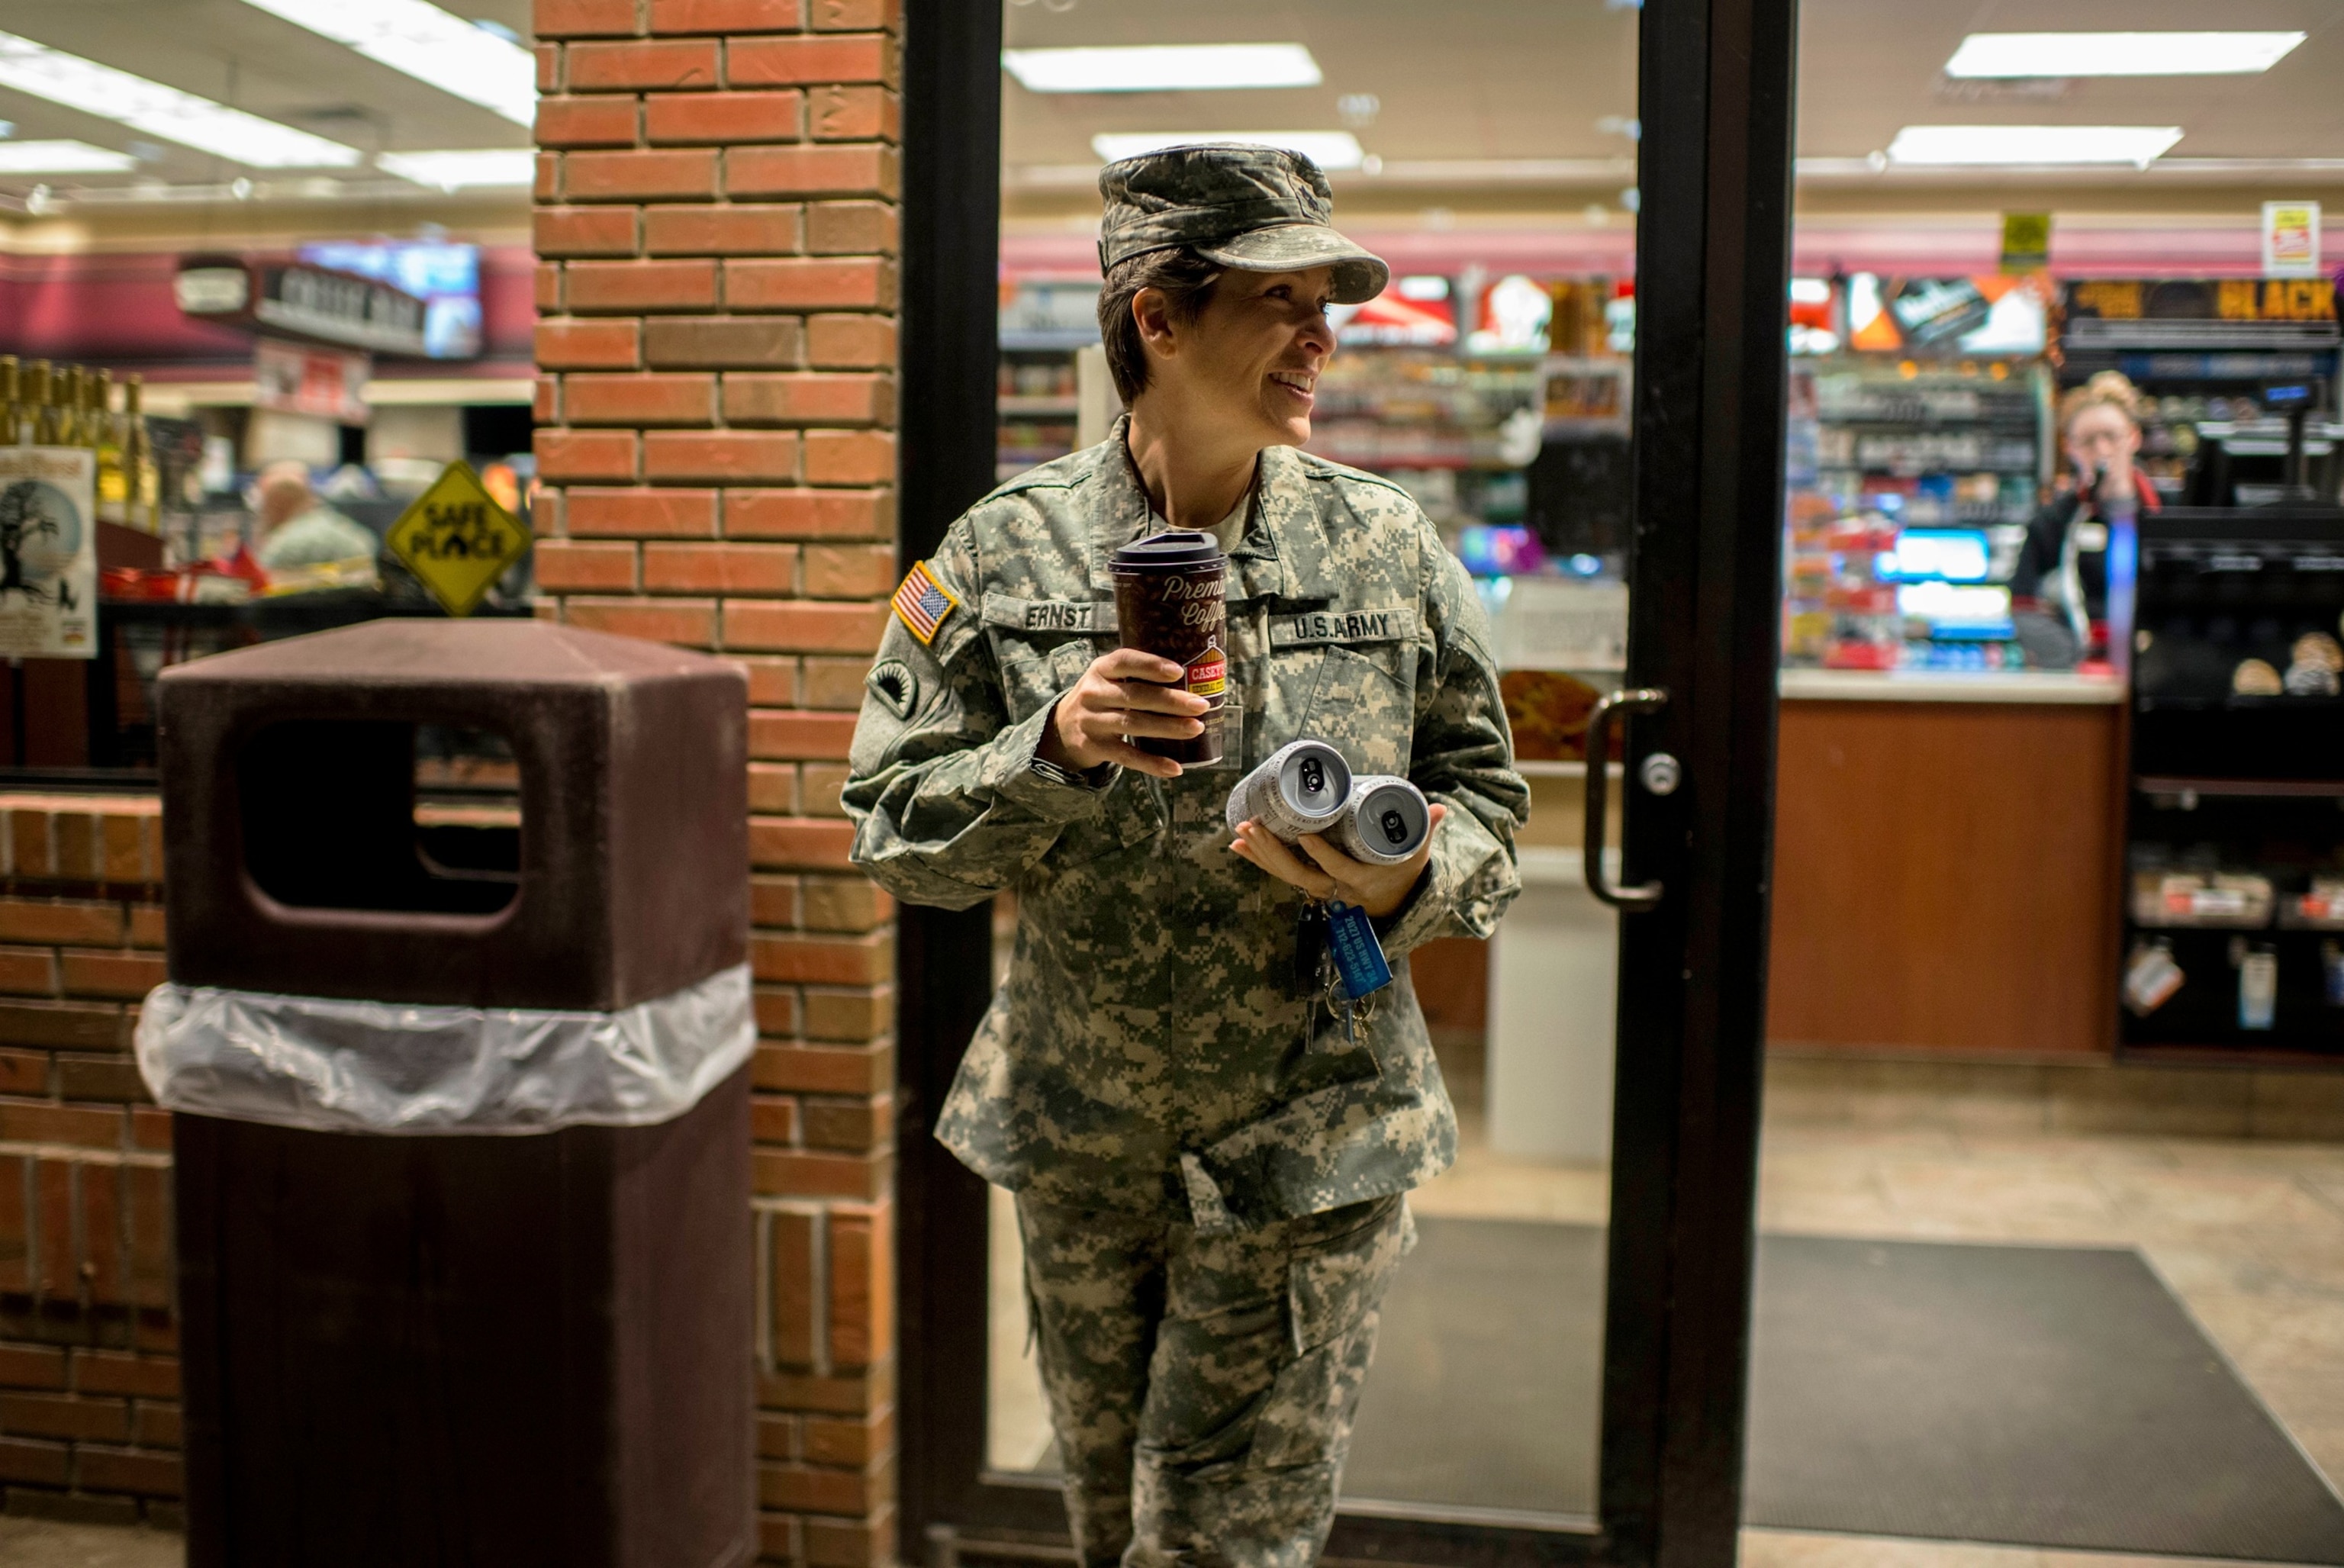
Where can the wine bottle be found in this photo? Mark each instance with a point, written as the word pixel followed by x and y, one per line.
pixel 64 391
pixel 9 389
pixel 105 438
pixel 146 480
pixel 40 417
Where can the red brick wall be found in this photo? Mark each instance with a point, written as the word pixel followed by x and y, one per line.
pixel 89 1417
pixel 716 233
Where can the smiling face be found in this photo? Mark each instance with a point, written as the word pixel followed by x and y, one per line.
pixel 1248 364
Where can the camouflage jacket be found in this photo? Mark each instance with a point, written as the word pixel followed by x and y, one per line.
pixel 1149 1048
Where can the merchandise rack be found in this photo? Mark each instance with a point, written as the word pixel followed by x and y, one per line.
pixel 1910 443
pixel 2244 790
pixel 1895 422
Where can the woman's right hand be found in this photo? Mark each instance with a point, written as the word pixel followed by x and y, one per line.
pixel 1126 693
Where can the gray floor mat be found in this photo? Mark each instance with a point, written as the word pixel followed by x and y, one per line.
pixel 2043 1396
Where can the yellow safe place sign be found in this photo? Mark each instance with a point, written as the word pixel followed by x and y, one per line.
pixel 456 539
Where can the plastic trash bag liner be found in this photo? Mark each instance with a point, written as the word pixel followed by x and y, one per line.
pixel 334 1066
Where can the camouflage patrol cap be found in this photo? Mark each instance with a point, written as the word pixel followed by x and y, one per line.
pixel 1254 209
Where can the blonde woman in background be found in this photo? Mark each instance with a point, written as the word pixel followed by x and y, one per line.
pixel 2064 566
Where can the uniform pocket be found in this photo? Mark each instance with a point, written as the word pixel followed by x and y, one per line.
pixel 1365 706
pixel 1031 677
pixel 1334 1288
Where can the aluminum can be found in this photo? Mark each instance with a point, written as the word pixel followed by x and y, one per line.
pixel 1302 788
pixel 1385 821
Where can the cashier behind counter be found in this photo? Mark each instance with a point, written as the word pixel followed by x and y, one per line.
pixel 2061 588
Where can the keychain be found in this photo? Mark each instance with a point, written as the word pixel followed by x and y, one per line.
pixel 1310 948
pixel 1334 945
pixel 1358 956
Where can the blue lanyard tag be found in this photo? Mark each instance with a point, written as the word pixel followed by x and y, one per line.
pixel 1358 956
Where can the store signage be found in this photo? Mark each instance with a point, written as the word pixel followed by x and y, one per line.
pixel 1415 312
pixel 456 539
pixel 1983 315
pixel 2026 241
pixel 301 300
pixel 1512 319
pixel 446 277
pixel 2290 240
pixel 299 379
pixel 2198 299
pixel 48 553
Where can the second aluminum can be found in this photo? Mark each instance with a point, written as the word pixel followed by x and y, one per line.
pixel 1304 786
pixel 1385 821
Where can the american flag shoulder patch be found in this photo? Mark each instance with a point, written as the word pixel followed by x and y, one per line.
pixel 922 602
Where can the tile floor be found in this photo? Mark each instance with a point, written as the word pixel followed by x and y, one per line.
pixel 43 1543
pixel 2249 1234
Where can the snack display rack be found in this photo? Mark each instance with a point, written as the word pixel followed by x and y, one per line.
pixel 2233 908
pixel 1459 415
pixel 1877 446
pixel 2203 354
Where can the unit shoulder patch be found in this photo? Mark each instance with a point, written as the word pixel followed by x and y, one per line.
pixel 893 683
pixel 921 603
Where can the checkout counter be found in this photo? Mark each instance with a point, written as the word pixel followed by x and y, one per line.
pixel 1947 853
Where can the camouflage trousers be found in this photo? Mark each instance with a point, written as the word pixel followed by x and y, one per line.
pixel 1202 1383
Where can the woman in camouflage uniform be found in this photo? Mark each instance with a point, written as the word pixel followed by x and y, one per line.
pixel 1209 1165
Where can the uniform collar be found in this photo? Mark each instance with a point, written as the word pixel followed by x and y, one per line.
pixel 1284 551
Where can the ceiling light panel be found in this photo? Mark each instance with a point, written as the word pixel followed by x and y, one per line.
pixel 162 111
pixel 1328 149
pixel 1154 67
pixel 430 44
pixel 2008 55
pixel 2017 144
pixel 62 157
pixel 456 169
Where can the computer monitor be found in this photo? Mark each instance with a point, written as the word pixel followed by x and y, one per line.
pixel 1938 556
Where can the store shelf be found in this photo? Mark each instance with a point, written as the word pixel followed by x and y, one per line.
pixel 1532 768
pixel 2021 686
pixel 1033 341
pixel 2257 789
pixel 1031 408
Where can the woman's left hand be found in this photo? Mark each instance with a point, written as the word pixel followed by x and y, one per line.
pixel 1325 872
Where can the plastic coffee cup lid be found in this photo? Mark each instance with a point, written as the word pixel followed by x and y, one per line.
pixel 1175 550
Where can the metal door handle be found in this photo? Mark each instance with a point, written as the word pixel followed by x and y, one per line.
pixel 1642 700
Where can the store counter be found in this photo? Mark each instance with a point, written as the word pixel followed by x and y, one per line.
pixel 1946 862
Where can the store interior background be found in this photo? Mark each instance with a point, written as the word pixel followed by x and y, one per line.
pixel 100 215
pixel 1949 1060
pixel 1958 833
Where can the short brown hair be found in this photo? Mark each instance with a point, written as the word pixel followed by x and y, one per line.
pixel 2112 389
pixel 1186 280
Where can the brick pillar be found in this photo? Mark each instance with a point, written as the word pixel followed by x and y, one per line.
pixel 716 232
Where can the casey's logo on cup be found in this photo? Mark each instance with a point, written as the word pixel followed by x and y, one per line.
pixel 1208 673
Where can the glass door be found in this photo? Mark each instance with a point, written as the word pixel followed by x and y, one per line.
pixel 1577 374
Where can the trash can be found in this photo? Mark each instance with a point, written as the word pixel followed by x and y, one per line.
pixel 462 1132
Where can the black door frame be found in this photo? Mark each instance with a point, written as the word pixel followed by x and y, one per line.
pixel 1716 83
